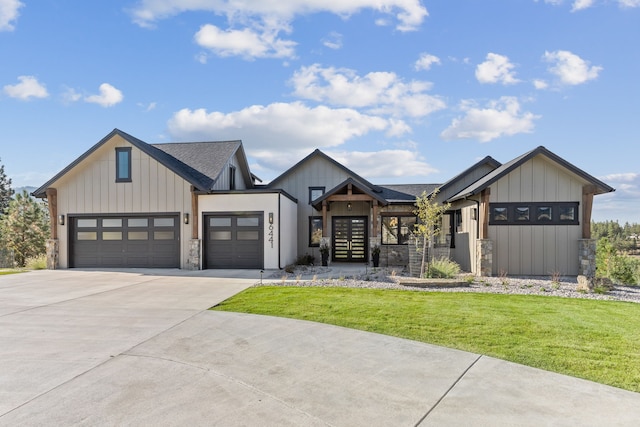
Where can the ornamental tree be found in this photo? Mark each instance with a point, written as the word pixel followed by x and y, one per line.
pixel 429 213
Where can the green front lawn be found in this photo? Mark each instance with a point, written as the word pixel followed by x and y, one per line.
pixel 595 340
pixel 9 271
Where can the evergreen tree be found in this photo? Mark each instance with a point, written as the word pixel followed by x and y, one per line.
pixel 24 228
pixel 6 192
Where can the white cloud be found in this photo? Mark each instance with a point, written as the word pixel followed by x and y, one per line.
pixel 384 163
pixel 570 68
pixel 378 92
pixel 246 42
pixel 496 69
pixel 409 13
pixel 29 87
pixel 500 118
pixel 279 126
pixel 333 40
pixel 426 61
pixel 629 3
pixel 581 4
pixel 540 84
pixel 9 12
pixel 108 97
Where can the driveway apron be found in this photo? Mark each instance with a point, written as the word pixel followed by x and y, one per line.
pixel 141 348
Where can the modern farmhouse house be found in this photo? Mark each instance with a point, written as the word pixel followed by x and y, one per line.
pixel 127 203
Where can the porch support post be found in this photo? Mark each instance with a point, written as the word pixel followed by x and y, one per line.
pixel 325 231
pixel 195 246
pixel 195 220
pixel 53 244
pixel 374 220
pixel 587 205
pixel 484 213
pixel 52 202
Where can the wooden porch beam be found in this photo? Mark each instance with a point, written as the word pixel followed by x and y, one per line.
pixel 52 203
pixel 350 198
pixel 588 192
pixel 325 231
pixel 194 214
pixel 484 213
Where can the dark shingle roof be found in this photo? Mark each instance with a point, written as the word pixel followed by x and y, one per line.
pixel 203 162
pixel 199 163
pixel 398 193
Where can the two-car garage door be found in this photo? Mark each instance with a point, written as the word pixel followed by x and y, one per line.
pixel 153 241
pixel 144 241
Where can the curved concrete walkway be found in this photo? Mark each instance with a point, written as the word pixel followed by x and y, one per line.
pixel 139 348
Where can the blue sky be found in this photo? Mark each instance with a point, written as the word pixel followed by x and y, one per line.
pixel 400 91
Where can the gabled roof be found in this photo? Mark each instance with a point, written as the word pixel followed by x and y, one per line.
pixel 317 203
pixel 407 193
pixel 183 159
pixel 488 160
pixel 506 168
pixel 207 159
pixel 318 153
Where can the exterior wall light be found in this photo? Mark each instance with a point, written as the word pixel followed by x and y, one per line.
pixel 185 218
pixel 61 219
pixel 349 206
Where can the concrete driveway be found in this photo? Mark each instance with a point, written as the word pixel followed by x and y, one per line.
pixel 139 348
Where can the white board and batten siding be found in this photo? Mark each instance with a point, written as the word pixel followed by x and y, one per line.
pixel 279 240
pixel 91 187
pixel 316 172
pixel 536 249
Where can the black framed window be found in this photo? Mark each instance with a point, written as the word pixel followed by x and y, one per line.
pixel 232 177
pixel 123 164
pixel 534 213
pixel 315 231
pixel 315 192
pixel 397 229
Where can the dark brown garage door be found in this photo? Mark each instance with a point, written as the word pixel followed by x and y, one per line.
pixel 125 241
pixel 234 241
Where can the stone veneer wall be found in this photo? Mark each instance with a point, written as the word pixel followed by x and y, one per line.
pixel 587 258
pixel 53 254
pixel 484 257
pixel 193 260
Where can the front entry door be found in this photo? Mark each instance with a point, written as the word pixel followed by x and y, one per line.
pixel 350 239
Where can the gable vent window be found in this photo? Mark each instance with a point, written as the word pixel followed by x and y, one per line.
pixel 232 177
pixel 123 164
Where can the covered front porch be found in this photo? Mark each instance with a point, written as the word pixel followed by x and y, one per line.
pixel 349 221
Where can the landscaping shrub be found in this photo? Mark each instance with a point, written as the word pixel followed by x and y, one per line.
pixel 443 268
pixel 36 263
pixel 619 268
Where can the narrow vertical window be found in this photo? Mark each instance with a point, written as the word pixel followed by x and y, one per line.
pixel 123 164
pixel 232 177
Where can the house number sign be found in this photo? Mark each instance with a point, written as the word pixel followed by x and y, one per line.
pixel 271 235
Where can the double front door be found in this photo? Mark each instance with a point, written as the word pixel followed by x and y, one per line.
pixel 350 239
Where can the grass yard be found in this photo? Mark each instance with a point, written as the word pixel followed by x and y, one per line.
pixel 9 271
pixel 595 340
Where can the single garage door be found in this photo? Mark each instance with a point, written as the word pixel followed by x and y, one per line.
pixel 234 241
pixel 151 241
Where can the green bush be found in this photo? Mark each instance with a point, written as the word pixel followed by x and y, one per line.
pixel 36 263
pixel 611 264
pixel 442 268
pixel 305 259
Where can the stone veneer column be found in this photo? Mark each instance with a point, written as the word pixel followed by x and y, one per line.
pixel 415 258
pixel 193 260
pixel 53 251
pixel 587 258
pixel 484 257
